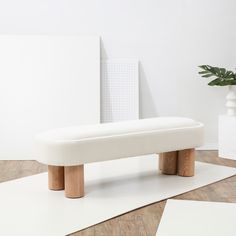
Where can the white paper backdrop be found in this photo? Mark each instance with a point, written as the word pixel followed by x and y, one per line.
pixel 45 82
pixel 119 90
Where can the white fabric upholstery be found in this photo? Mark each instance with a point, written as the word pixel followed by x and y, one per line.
pixel 92 143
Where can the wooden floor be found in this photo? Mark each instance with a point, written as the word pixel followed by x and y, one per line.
pixel 144 221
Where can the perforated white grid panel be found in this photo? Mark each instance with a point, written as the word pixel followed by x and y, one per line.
pixel 119 90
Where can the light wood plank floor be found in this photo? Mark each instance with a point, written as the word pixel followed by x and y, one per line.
pixel 144 221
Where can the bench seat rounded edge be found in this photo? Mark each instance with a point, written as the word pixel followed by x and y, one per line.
pixel 70 152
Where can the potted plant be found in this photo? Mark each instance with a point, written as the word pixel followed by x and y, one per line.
pixel 222 77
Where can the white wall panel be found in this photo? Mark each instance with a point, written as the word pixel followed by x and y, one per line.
pixel 119 90
pixel 45 82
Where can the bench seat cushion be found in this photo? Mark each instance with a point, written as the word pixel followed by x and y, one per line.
pixel 91 143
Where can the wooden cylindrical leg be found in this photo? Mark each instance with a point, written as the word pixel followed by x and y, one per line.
pixel 186 162
pixel 74 181
pixel 56 177
pixel 169 163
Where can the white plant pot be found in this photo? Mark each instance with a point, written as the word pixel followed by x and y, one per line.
pixel 231 101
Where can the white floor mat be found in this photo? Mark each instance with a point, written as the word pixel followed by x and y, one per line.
pixel 27 207
pixel 195 218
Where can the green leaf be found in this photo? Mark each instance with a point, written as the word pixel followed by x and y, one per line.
pixel 223 77
pixel 203 72
pixel 207 75
pixel 222 71
pixel 214 82
pixel 216 70
pixel 222 82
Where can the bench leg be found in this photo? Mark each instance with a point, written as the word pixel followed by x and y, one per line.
pixel 186 162
pixel 56 177
pixel 74 181
pixel 168 162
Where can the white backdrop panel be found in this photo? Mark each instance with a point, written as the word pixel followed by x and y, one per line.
pixel 45 82
pixel 120 90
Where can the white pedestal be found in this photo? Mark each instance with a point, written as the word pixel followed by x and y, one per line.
pixel 227 137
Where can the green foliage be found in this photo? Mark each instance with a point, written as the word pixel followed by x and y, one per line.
pixel 222 76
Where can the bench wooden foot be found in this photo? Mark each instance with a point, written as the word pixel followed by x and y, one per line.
pixel 186 162
pixel 56 177
pixel 74 181
pixel 168 162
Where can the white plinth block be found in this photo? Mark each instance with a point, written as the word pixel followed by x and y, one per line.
pixel 227 137
pixel 231 101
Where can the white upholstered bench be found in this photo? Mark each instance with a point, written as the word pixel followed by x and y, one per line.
pixel 66 150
